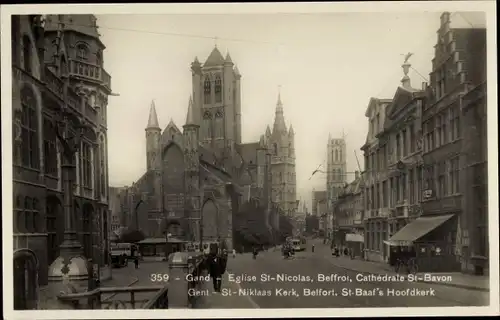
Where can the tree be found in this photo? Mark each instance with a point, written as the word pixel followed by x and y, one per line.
pixel 131 236
pixel 250 226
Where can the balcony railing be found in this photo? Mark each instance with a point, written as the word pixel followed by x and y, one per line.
pixel 90 71
pixel 54 84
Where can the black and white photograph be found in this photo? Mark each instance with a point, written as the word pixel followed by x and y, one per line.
pixel 249 160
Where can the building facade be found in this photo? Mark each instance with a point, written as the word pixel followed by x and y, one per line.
pixel 375 173
pixel 400 142
pixel 44 53
pixel 197 177
pixel 348 216
pixel 450 180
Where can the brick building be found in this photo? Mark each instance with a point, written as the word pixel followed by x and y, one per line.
pixel 376 211
pixel 400 141
pixel 348 216
pixel 56 63
pixel 452 160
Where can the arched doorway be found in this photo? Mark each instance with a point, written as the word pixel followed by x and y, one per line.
pixel 210 227
pixel 25 280
pixel 55 227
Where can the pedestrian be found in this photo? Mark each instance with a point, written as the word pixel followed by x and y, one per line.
pixel 136 262
pixel 346 251
pixel 312 248
pixel 215 270
pixel 234 253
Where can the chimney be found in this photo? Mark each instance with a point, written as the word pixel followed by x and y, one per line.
pixel 424 86
pixel 356 175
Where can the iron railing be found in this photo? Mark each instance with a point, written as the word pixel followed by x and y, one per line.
pixel 94 299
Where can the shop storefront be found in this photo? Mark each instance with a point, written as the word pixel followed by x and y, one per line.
pixel 433 239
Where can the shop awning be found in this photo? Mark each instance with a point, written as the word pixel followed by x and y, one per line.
pixel 419 228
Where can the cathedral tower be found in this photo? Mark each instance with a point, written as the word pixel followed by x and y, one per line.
pixel 336 167
pixel 281 143
pixel 216 102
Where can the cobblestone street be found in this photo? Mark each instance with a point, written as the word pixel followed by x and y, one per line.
pixel 339 288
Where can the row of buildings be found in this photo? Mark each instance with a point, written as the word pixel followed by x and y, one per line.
pixel 197 176
pixel 425 164
pixel 60 93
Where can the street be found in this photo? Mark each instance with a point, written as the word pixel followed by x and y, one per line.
pixel 316 282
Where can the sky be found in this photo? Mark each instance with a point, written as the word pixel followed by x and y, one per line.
pixel 326 66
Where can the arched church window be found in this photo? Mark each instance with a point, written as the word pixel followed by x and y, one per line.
pixel 207 91
pixel 275 149
pixel 218 89
pixel 98 58
pixel 340 155
pixel 336 155
pixel 207 125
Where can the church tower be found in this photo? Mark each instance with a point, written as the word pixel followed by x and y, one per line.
pixel 336 167
pixel 281 143
pixel 192 173
pixel 216 102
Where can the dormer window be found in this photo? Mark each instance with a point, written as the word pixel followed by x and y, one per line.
pixel 81 52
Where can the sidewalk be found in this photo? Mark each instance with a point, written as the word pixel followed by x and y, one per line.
pixel 458 280
pixel 219 301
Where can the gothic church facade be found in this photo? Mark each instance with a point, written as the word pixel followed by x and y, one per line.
pixel 197 177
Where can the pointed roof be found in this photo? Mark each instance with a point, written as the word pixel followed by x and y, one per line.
pixel 236 71
pixel 214 59
pixel 291 132
pixel 228 59
pixel 279 119
pixel 153 118
pixel 190 113
pixel 268 131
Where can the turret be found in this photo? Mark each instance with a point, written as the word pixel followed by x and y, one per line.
pixel 153 135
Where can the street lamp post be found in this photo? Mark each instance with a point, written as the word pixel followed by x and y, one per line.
pixel 71 266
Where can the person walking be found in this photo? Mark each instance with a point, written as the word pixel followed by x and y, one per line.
pixel 215 270
pixel 234 253
pixel 136 262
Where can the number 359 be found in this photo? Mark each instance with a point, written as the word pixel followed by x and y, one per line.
pixel 159 277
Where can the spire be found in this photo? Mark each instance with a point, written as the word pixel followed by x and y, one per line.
pixel 214 59
pixel 279 119
pixel 268 131
pixel 153 118
pixel 237 72
pixel 190 113
pixel 228 60
pixel 290 131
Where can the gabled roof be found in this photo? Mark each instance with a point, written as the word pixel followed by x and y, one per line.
pixel 214 59
pixel 372 104
pixel 401 98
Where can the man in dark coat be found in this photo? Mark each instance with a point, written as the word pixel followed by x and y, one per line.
pixel 215 270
